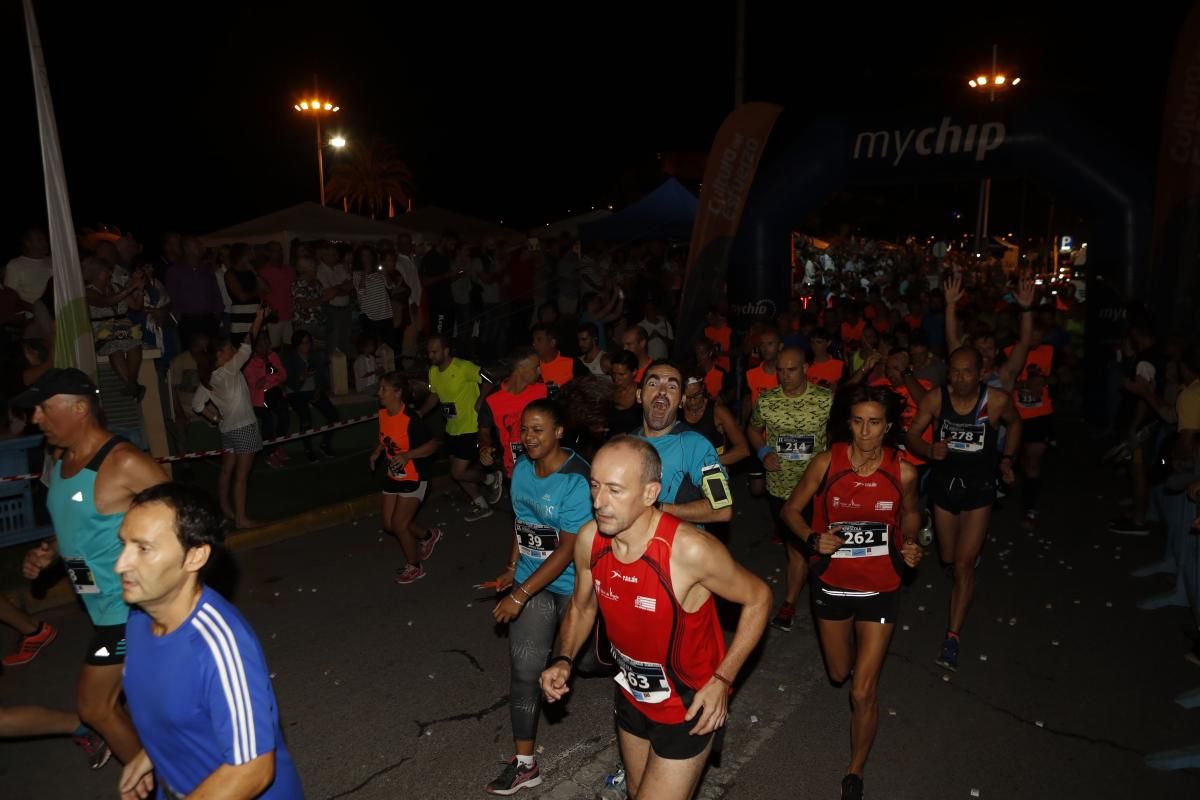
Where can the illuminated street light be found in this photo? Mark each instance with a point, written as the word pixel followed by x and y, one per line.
pixel 318 108
pixel 338 142
pixel 992 82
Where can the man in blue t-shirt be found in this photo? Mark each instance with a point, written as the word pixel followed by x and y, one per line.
pixel 695 487
pixel 195 675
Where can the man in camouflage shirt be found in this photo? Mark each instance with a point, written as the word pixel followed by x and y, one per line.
pixel 787 428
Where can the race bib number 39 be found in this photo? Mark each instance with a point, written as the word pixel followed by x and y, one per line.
pixel 645 681
pixel 964 438
pixel 536 541
pixel 796 448
pixel 81 576
pixel 863 539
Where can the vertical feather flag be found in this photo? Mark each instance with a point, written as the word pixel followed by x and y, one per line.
pixel 73 345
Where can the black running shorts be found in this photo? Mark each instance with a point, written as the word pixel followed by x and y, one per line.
pixel 1037 430
pixel 837 605
pixel 755 470
pixel 107 647
pixel 956 495
pixel 464 446
pixel 667 741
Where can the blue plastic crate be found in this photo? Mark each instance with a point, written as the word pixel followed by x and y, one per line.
pixel 17 519
pixel 14 454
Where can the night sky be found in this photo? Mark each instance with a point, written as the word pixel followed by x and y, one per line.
pixel 508 113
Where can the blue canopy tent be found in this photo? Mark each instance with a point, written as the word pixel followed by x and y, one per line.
pixel 666 214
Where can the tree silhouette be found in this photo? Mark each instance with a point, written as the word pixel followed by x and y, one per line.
pixel 370 179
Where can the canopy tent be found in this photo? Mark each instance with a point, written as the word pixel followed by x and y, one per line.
pixel 434 221
pixel 569 226
pixel 307 221
pixel 666 214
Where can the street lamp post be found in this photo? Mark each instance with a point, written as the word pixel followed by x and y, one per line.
pixel 994 82
pixel 318 108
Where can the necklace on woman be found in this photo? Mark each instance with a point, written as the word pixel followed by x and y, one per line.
pixel 866 462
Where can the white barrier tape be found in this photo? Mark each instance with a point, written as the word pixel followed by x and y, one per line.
pixel 210 453
pixel 31 477
pixel 277 440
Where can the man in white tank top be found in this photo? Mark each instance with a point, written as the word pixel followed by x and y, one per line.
pixel 595 359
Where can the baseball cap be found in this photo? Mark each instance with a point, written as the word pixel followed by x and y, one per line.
pixel 52 382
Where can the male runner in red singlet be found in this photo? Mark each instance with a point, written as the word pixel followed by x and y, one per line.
pixel 653 579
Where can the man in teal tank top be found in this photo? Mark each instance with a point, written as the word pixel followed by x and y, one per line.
pixel 92 480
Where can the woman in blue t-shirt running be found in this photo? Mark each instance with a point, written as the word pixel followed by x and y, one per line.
pixel 551 500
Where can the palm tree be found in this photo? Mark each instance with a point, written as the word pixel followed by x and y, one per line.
pixel 371 179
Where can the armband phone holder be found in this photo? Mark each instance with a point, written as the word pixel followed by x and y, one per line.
pixel 715 487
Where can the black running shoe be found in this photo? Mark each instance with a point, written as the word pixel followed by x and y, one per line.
pixel 1193 655
pixel 515 777
pixel 783 619
pixel 948 658
pixel 852 787
pixel 1129 527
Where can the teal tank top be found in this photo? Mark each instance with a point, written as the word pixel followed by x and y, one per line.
pixel 87 539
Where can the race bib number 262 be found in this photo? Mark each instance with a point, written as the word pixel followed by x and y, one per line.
pixel 863 539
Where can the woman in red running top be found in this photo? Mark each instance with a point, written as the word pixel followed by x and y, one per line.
pixel 865 520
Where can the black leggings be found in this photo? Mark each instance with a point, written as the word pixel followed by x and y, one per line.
pixel 530 637
pixel 303 402
pixel 273 420
pixel 382 329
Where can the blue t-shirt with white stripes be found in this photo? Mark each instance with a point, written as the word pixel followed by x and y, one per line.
pixel 201 697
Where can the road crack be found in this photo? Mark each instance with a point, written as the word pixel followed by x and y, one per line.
pixel 422 727
pixel 370 778
pixel 1014 715
pixel 474 661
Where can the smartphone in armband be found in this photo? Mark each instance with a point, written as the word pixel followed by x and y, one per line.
pixel 715 486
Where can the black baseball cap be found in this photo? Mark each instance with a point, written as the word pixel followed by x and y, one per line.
pixel 52 382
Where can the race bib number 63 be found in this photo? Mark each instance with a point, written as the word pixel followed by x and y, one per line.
pixel 645 681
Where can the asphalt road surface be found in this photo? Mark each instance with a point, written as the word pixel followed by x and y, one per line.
pixel 391 691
